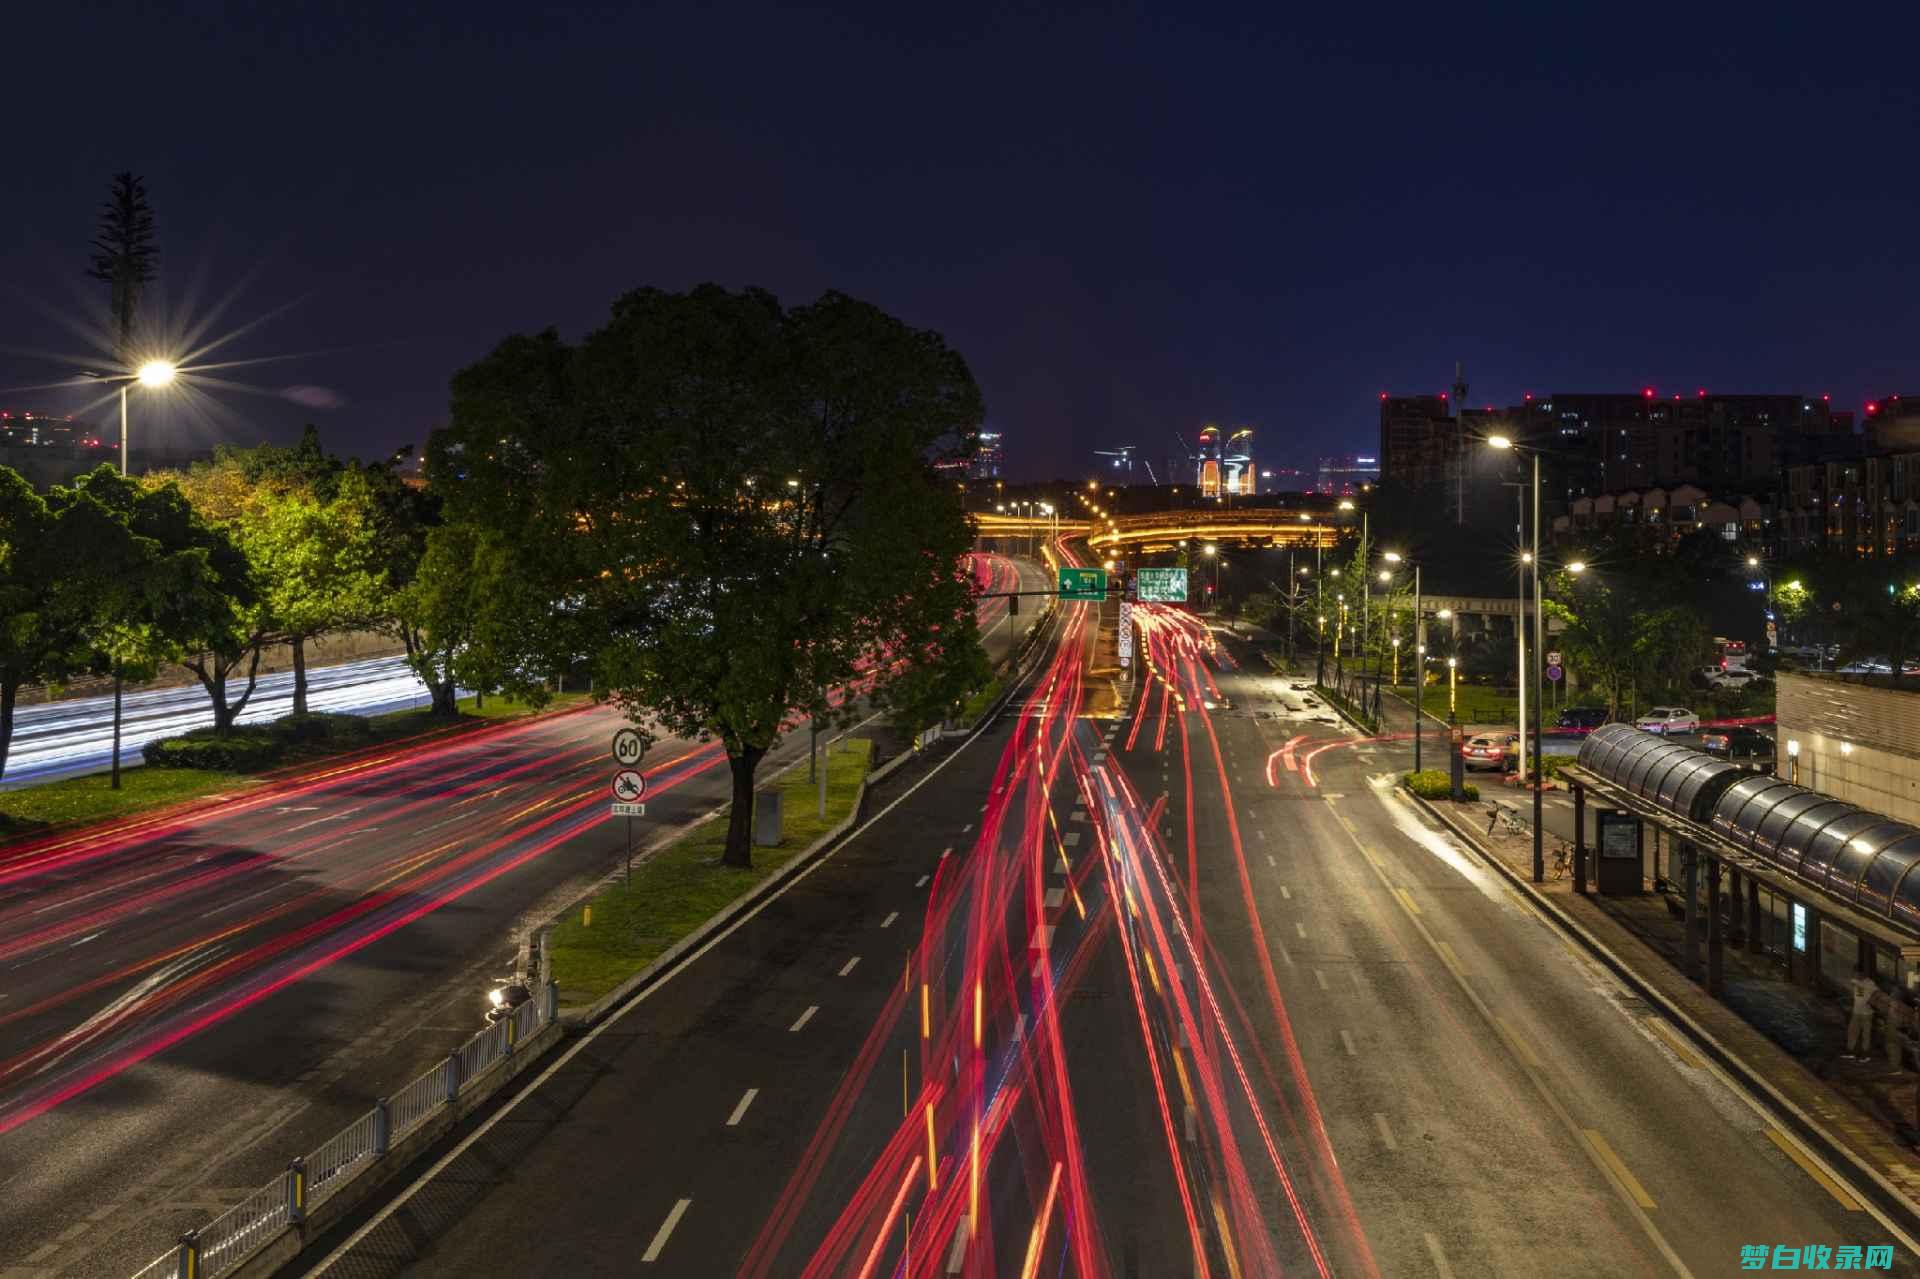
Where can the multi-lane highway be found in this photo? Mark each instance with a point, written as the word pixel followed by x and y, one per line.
pixel 1158 977
pixel 184 1002
pixel 67 738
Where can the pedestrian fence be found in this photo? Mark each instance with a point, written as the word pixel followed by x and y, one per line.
pixel 220 1246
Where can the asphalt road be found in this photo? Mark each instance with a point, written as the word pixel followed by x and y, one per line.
pixel 1215 999
pixel 188 1003
pixel 68 738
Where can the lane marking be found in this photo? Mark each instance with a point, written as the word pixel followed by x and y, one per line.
pixel 1450 959
pixel 1346 1040
pixel 805 1017
pixel 666 1230
pixel 1056 896
pixel 1042 937
pixel 1301 929
pixel 848 966
pixel 733 1120
pixel 1519 1042
pixel 1672 1037
pixel 1321 977
pixel 966 828
pixel 1285 895
pixel 1284 953
pixel 945 853
pixel 1271 862
pixel 921 882
pixel 1828 1184
pixel 580 1045
pixel 1386 1133
pixel 1071 838
pixel 1440 1265
pixel 1618 1169
pixel 1406 899
pixel 888 921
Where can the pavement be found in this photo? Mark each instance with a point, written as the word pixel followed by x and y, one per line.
pixel 185 1006
pixel 75 736
pixel 1204 990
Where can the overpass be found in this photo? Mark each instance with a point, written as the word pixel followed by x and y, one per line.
pixel 1165 530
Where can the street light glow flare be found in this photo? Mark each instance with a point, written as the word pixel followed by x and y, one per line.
pixel 1391 557
pixel 156 373
pixel 1346 506
pixel 1211 549
pixel 1578 566
pixel 1386 575
pixel 1499 442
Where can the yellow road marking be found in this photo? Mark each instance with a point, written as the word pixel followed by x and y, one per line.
pixel 1812 1170
pixel 1618 1169
pixel 1226 1238
pixel 1450 959
pixel 1406 899
pixel 1520 1044
pixel 1686 1055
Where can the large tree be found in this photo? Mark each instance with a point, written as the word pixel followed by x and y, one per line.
pixel 125 257
pixel 728 509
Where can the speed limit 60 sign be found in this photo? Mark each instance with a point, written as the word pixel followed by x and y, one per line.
pixel 628 746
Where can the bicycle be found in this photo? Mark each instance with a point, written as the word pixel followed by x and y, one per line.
pixel 1562 859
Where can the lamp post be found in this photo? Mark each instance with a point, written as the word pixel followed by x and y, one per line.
pixel 1539 676
pixel 1453 686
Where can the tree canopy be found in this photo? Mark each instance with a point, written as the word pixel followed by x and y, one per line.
pixel 725 508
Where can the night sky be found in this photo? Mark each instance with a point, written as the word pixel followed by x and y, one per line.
pixel 1130 221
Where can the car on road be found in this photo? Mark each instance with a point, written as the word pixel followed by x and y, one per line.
pixel 1668 719
pixel 1748 747
pixel 1487 750
pixel 1583 718
pixel 1734 678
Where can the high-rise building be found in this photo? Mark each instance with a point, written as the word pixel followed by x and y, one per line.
pixel 1418 440
pixel 987 459
pixel 1223 463
pixel 1345 476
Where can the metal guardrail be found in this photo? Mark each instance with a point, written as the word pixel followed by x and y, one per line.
pixel 223 1244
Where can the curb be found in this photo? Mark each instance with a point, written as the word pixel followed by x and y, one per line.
pixel 1859 1176
pixel 573 1020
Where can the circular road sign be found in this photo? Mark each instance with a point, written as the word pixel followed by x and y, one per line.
pixel 1553 673
pixel 1553 658
pixel 628 746
pixel 629 786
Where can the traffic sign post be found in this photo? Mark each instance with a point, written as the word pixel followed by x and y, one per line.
pixel 1126 634
pixel 629 786
pixel 1161 585
pixel 1083 584
pixel 1553 657
pixel 628 747
pixel 1554 673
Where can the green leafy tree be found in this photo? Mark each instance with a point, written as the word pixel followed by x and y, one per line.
pixel 726 508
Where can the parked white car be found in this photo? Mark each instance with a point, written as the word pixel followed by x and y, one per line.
pixel 1668 719
pixel 1734 678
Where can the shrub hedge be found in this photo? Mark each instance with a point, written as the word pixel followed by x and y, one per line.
pixel 251 747
pixel 1434 783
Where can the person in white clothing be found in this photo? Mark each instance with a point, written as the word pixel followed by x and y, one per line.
pixel 1860 1024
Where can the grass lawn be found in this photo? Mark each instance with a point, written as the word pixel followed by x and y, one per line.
pixel 976 706
pixel 683 885
pixel 1477 705
pixel 91 799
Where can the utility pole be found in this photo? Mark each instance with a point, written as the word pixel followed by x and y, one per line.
pixel 1539 655
pixel 1459 443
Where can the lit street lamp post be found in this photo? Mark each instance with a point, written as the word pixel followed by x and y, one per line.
pixel 1539 668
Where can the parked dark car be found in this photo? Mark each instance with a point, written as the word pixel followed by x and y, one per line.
pixel 1584 718
pixel 1740 745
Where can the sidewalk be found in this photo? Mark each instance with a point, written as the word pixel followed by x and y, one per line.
pixel 1783 1032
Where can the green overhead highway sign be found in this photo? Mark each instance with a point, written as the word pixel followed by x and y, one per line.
pixel 1161 585
pixel 1083 583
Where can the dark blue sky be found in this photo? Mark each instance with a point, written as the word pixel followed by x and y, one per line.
pixel 1129 220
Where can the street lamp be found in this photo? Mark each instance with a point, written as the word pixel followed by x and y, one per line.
pixel 154 374
pixel 1453 685
pixel 1532 559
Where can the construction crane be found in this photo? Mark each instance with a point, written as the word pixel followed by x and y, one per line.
pixel 1122 457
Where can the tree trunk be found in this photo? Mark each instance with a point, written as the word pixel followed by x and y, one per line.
pixel 253 682
pixel 444 700
pixel 739 851
pixel 299 675
pixel 217 691
pixel 8 692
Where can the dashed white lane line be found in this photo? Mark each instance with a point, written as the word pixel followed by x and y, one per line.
pixel 1301 929
pixel 1055 897
pixel 1271 862
pixel 848 966
pixel 1346 1041
pixel 1262 834
pixel 1321 977
pixel 1440 1265
pixel 1285 895
pixel 739 1111
pixel 966 828
pixel 1042 937
pixel 1071 838
pixel 888 921
pixel 1386 1133
pixel 805 1017
pixel 946 853
pixel 1285 954
pixel 921 882
pixel 665 1232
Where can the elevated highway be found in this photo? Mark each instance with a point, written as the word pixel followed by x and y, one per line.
pixel 1163 530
